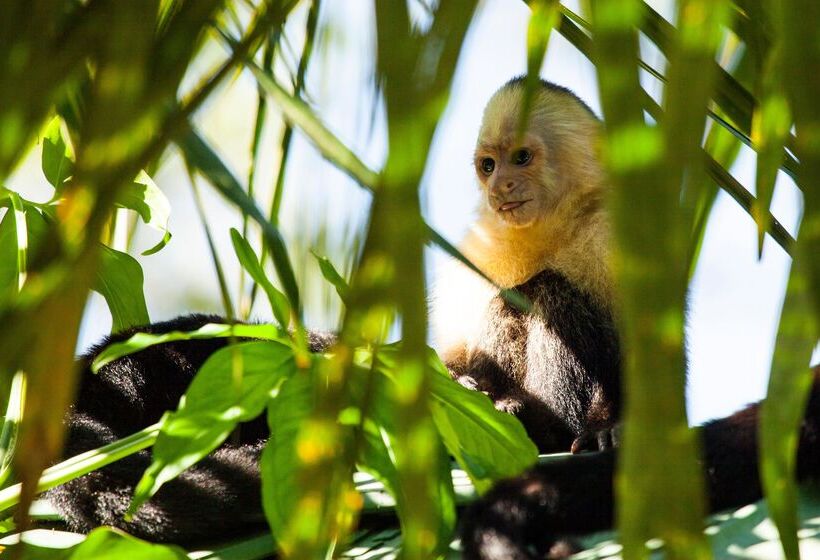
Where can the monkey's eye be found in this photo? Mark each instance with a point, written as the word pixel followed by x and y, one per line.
pixel 522 157
pixel 487 165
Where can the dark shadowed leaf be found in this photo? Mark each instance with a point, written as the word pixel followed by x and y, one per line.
pixel 771 123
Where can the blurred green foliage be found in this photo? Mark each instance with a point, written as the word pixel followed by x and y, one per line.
pixel 98 84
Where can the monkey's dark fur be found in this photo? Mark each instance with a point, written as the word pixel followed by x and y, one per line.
pixel 555 367
pixel 217 498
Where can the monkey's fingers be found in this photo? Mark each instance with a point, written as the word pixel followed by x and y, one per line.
pixel 597 440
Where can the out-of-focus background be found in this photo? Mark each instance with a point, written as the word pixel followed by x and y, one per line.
pixel 735 297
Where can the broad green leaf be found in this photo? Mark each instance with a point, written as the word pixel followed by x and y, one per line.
pixel 101 543
pixel 57 159
pixel 249 261
pixel 378 444
pixel 106 542
pixel 332 275
pixel 146 199
pixel 232 386
pixel 489 445
pixel 120 281
pixel 284 454
pixel 140 341
pixel 202 158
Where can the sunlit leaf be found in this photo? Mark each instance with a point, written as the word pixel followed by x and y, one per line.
pixel 375 388
pixel 488 444
pixel 140 341
pixel 84 463
pixel 282 457
pixel 146 199
pixel 247 258
pixel 332 275
pixel 232 386
pixel 111 543
pixel 120 281
pixel 57 158
pixel 22 230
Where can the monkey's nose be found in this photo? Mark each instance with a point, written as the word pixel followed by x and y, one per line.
pixel 509 186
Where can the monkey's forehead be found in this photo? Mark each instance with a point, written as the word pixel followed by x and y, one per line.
pixel 506 138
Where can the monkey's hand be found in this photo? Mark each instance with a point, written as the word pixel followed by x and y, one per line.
pixel 508 402
pixel 598 440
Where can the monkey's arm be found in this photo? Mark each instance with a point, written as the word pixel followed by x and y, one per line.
pixel 574 496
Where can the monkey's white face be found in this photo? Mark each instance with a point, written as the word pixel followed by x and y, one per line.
pixel 515 178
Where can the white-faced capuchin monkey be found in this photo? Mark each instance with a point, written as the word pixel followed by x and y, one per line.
pixel 542 229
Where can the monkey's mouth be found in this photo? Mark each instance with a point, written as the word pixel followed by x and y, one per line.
pixel 512 205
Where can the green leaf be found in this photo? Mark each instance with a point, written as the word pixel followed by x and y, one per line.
pixel 22 230
pixel 300 115
pixel 84 463
pixel 146 199
pixel 771 123
pixel 232 386
pixel 249 261
pixel 782 412
pixel 380 443
pixel 544 17
pixel 202 158
pixel 488 444
pixel 281 458
pixel 119 280
pixel 57 159
pixel 332 275
pixel 140 341
pixel 106 542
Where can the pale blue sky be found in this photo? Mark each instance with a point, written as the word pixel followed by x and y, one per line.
pixel 735 298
